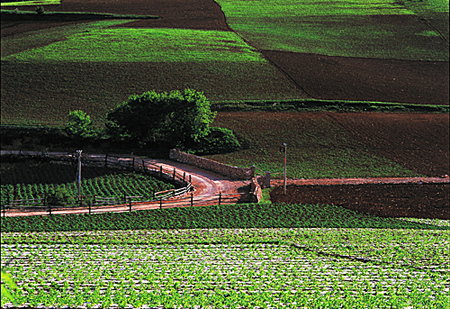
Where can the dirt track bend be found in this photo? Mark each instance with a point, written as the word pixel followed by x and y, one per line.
pixel 207 186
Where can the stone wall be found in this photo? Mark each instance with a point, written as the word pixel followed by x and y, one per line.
pixel 226 170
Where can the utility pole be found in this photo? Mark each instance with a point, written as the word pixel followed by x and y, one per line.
pixel 284 149
pixel 78 180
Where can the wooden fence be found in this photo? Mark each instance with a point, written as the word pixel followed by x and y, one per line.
pixel 97 204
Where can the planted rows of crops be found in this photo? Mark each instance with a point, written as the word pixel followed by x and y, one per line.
pixel 242 255
pixel 33 182
pixel 250 275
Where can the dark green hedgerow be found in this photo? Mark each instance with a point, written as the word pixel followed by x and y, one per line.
pixel 224 216
pixel 308 105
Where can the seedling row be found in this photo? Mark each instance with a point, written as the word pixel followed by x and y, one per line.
pixel 267 275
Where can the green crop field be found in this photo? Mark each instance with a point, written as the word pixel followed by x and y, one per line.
pixel 341 28
pixel 238 256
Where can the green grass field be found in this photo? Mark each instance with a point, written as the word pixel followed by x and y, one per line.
pixel 317 147
pixel 339 28
pixel 143 45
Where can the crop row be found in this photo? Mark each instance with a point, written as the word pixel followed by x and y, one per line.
pixel 114 184
pixel 265 275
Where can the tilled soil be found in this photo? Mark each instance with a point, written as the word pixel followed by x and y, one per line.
pixel 354 79
pixel 418 142
pixel 384 200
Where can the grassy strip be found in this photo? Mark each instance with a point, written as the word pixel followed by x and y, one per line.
pixel 313 105
pixel 68 16
pixel 27 2
pixel 213 217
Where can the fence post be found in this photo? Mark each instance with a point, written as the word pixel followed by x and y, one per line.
pixel 130 204
pixel 220 197
pixel 50 209
pixel 174 173
pixel 160 203
pixel 143 166
pixel 190 181
pixel 184 176
pixel 106 160
pixel 192 199
pixel 90 204
pixel 133 162
pixel 160 172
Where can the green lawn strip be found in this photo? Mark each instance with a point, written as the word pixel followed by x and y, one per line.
pixel 11 15
pixel 317 147
pixel 27 2
pixel 97 87
pixel 335 28
pixel 140 45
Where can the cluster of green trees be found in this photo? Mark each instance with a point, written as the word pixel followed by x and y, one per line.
pixel 176 119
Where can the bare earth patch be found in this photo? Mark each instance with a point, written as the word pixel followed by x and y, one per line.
pixel 354 79
pixel 383 200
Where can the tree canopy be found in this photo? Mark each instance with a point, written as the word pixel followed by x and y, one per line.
pixel 176 118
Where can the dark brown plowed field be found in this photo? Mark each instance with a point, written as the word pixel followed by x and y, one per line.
pixel 419 142
pixel 187 14
pixel 354 79
pixel 383 200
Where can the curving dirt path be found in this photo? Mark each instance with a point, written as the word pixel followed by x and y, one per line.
pixel 207 186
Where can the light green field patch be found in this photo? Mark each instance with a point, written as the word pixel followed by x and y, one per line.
pixel 23 3
pixel 277 8
pixel 32 39
pixel 427 33
pixel 370 29
pixel 141 45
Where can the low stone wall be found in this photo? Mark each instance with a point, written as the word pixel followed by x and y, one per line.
pixel 226 170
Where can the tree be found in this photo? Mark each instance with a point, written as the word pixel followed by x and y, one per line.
pixel 80 125
pixel 177 118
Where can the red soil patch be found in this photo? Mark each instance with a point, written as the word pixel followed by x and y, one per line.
pixel 419 142
pixel 383 200
pixel 342 78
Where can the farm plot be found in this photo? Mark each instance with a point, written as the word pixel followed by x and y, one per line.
pixel 318 147
pixel 94 69
pixel 360 50
pixel 369 29
pixel 22 181
pixel 250 275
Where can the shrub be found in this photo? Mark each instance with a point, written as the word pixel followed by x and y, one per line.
pixel 39 10
pixel 59 197
pixel 219 140
pixel 80 126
